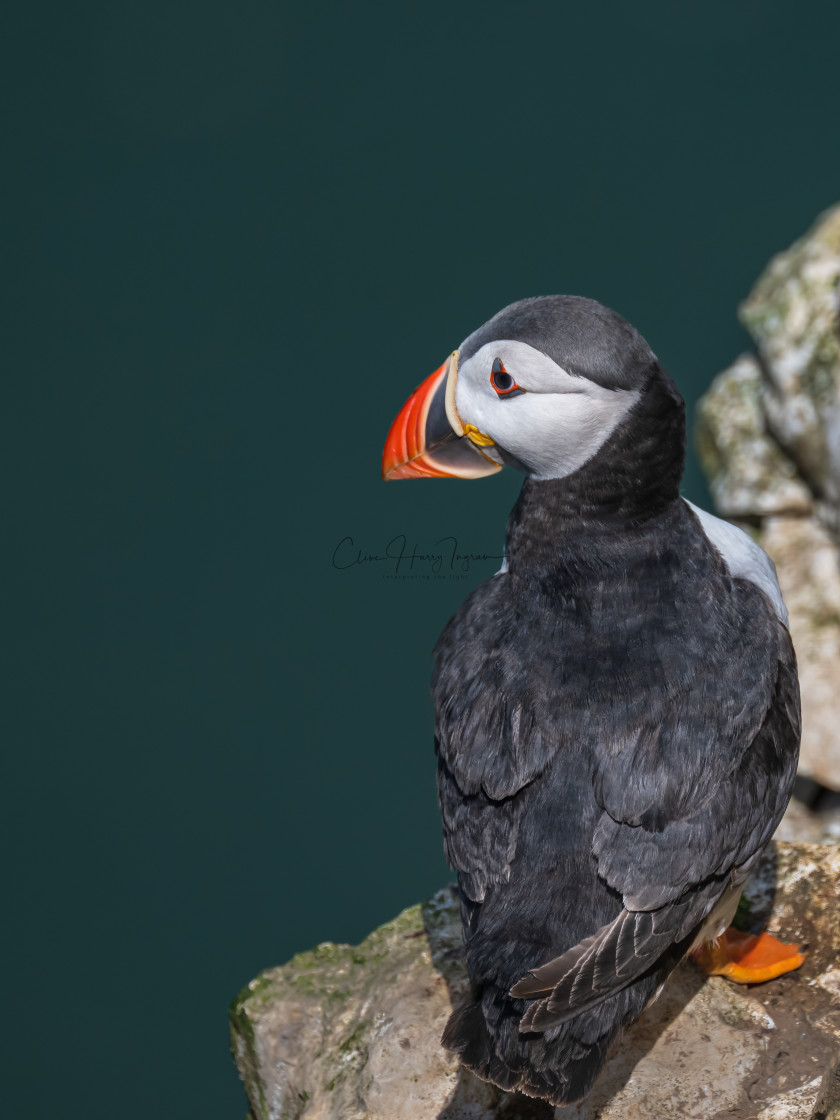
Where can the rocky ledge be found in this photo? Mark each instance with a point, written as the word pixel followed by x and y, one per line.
pixel 353 1032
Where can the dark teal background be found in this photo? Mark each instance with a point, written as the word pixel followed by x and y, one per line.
pixel 236 236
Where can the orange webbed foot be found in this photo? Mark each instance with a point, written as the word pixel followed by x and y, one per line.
pixel 748 958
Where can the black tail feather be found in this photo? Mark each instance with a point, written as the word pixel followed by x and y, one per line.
pixel 556 1066
pixel 467 1035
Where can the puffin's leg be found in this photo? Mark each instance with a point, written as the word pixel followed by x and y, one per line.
pixel 747 958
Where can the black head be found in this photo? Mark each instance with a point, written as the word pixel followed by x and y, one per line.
pixel 580 335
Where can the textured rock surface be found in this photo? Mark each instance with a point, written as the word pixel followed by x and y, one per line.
pixel 749 473
pixel 793 313
pixel 768 434
pixel 346 1033
pixel 807 565
pixel 802 824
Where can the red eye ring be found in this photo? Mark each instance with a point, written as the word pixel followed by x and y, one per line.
pixel 502 381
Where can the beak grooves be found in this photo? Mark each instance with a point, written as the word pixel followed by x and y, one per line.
pixel 405 444
pixel 427 438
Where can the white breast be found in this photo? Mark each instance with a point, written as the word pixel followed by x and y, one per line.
pixel 744 558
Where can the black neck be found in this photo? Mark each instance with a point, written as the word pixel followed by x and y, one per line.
pixel 590 517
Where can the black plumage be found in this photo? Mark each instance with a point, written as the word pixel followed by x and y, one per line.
pixel 617 727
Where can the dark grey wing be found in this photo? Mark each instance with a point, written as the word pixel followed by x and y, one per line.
pixel 488 752
pixel 479 838
pixel 669 855
pixel 726 832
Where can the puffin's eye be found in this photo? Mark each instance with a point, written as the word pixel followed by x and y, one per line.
pixel 502 381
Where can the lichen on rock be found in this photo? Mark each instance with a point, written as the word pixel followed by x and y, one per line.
pixel 749 473
pixel 793 314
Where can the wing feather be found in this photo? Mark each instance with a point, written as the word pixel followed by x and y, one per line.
pixel 671 879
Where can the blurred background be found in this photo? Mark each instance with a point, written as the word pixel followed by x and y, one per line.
pixel 236 236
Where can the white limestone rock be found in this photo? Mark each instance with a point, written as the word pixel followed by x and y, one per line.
pixel 806 560
pixel 793 314
pixel 749 474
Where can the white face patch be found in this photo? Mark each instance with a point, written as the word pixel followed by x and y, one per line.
pixel 556 425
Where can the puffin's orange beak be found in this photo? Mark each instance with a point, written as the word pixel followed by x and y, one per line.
pixel 427 438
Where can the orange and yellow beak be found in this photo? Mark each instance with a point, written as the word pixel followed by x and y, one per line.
pixel 428 440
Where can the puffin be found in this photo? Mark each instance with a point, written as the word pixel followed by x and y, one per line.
pixel 617 713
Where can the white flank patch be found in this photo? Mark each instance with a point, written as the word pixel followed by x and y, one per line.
pixel 744 558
